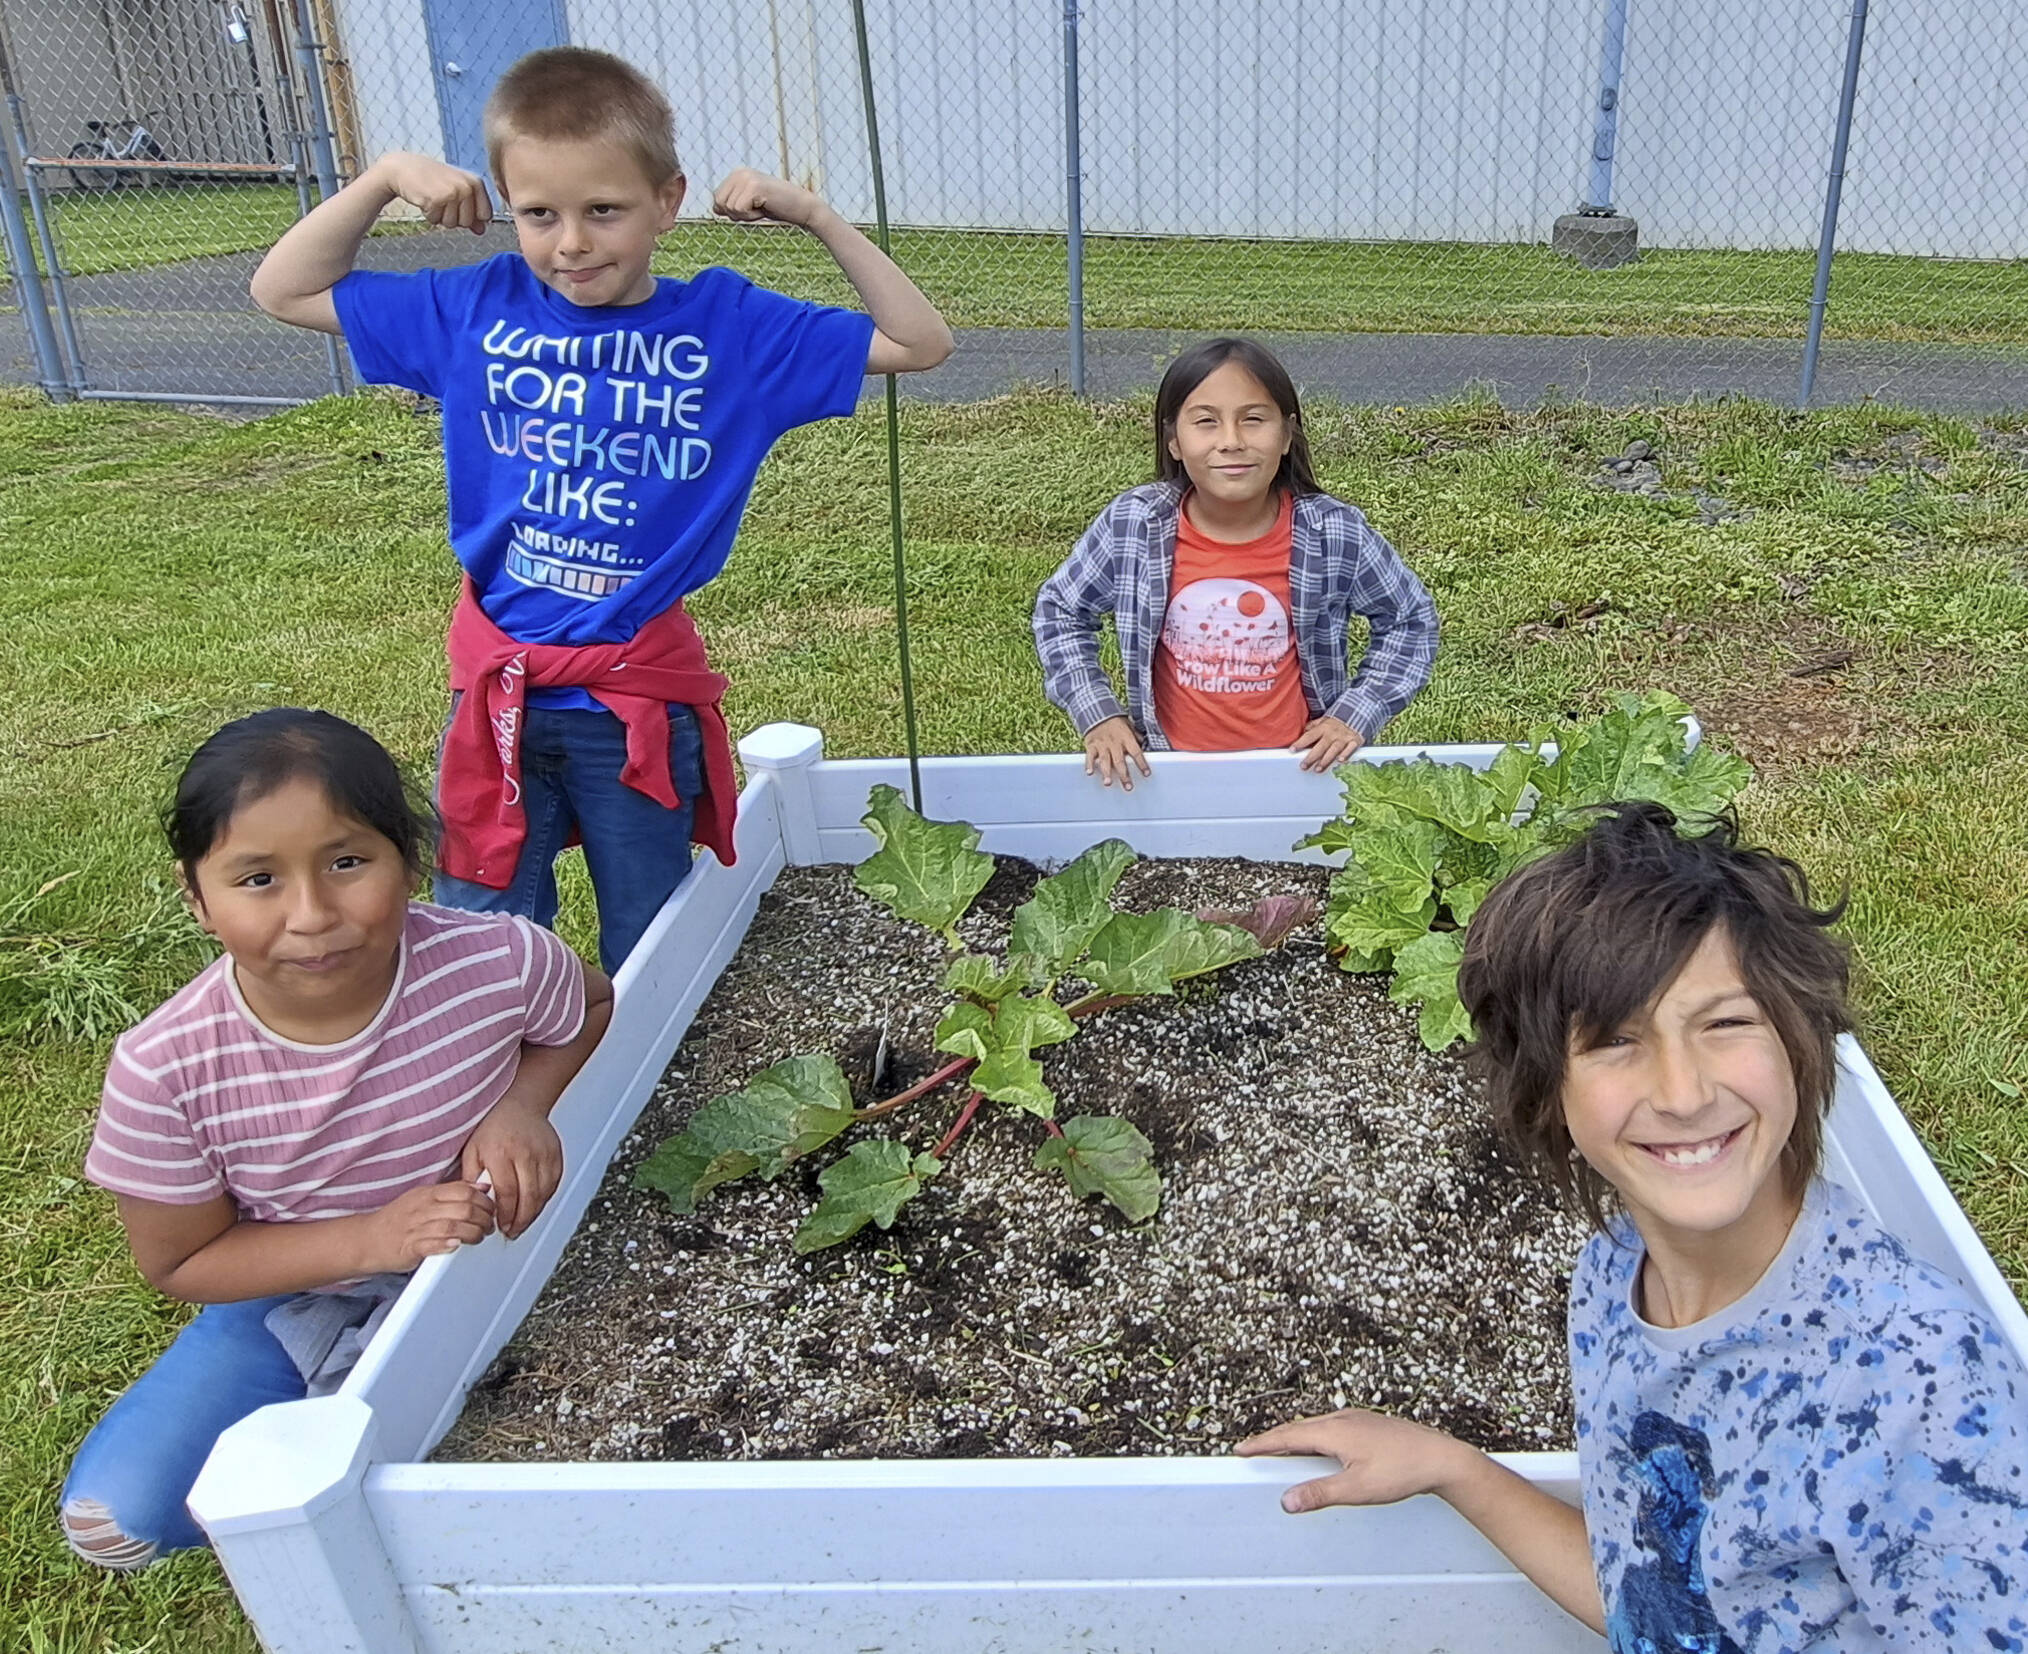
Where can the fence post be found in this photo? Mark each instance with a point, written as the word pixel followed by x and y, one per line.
pixel 310 54
pixel 1074 186
pixel 1827 240
pixel 27 282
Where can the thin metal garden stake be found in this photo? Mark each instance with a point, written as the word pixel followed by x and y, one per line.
pixel 893 420
pixel 1074 193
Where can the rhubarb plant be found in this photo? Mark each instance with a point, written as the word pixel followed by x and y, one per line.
pixel 1428 841
pixel 1002 1012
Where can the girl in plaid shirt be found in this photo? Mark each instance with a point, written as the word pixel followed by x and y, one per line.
pixel 1231 580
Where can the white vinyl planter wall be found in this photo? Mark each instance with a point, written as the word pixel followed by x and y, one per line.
pixel 340 1539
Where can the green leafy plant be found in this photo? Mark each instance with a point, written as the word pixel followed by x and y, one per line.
pixel 1428 841
pixel 1003 1012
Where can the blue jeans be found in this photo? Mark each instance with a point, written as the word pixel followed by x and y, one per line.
pixel 139 1462
pixel 636 851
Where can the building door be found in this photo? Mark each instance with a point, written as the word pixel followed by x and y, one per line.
pixel 472 42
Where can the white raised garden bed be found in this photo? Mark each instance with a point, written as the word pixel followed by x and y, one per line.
pixel 338 1537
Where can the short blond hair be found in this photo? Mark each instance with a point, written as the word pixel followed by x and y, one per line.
pixel 568 94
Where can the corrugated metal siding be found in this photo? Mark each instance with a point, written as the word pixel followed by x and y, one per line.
pixel 1443 120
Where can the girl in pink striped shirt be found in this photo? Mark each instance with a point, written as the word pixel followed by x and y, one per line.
pixel 361 1081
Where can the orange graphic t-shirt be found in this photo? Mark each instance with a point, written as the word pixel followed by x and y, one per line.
pixel 1226 676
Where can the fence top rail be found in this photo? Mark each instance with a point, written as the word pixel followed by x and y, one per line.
pixel 102 163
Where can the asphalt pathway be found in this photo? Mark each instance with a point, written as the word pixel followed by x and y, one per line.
pixel 189 328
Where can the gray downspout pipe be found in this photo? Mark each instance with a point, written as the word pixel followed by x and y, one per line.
pixel 1598 196
pixel 1827 239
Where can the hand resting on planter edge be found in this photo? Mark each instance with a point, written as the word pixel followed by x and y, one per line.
pixel 1383 1460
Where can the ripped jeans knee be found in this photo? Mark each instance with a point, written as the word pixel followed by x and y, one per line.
pixel 91 1532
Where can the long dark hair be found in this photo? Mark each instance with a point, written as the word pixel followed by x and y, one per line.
pixel 1198 364
pixel 253 756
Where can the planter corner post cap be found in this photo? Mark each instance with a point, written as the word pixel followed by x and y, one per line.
pixel 284 1463
pixel 782 747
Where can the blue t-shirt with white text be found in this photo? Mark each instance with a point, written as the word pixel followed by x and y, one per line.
pixel 598 458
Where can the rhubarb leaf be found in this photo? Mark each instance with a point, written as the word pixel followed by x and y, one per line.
pixel 1400 861
pixel 1149 953
pixel 1369 924
pixel 1069 908
pixel 1426 973
pixel 870 1184
pixel 1451 795
pixel 1269 921
pixel 977 978
pixel 927 871
pixel 783 1114
pixel 1621 755
pixel 1707 781
pixel 1099 1155
pixel 1464 897
pixel 1333 836
pixel 1000 1040
pixel 1015 1079
pixel 966 1031
pixel 1511 774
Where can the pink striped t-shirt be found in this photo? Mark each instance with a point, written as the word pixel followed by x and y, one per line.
pixel 203 1099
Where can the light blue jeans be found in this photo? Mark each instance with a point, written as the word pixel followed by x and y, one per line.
pixel 124 1500
pixel 636 851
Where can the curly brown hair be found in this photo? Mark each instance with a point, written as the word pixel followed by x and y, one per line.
pixel 1567 949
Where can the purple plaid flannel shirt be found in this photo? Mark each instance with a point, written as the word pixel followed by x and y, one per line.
pixel 1338 567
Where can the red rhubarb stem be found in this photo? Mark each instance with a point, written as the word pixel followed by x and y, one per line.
pixel 1093 1003
pixel 949 1071
pixel 958 1125
pixel 1052 1128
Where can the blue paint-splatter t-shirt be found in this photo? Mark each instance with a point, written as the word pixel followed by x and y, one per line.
pixel 598 458
pixel 1836 1461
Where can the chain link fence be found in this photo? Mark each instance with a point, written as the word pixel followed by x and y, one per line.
pixel 1613 199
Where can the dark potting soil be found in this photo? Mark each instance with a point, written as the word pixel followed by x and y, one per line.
pixel 1338 1226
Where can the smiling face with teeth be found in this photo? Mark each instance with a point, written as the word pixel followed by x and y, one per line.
pixel 1685 1108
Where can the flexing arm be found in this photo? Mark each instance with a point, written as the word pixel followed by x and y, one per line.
pixel 294 282
pixel 909 335
pixel 1386 1459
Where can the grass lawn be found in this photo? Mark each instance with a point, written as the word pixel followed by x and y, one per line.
pixel 101 230
pixel 989 280
pixel 1005 280
pixel 173 571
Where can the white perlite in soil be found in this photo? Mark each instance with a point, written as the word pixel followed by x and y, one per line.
pixel 1337 1227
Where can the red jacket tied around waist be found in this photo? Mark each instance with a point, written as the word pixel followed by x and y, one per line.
pixel 479 779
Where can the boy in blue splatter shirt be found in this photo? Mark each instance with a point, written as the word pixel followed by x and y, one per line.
pixel 1791 1433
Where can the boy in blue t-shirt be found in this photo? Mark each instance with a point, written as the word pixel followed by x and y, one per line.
pixel 1791 1434
pixel 602 428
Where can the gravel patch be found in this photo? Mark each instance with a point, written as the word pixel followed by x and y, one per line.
pixel 1338 1227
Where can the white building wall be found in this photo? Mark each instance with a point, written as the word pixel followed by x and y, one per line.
pixel 1446 120
pixel 386 45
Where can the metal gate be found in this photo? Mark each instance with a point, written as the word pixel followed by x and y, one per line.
pixel 156 149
